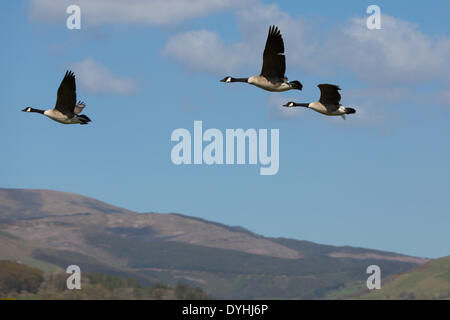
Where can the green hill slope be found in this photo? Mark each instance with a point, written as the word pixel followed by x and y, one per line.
pixel 429 281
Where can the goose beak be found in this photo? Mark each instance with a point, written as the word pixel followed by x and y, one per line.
pixel 224 80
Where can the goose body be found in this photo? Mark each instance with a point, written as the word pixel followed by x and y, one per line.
pixel 329 103
pixel 263 83
pixel 66 110
pixel 272 77
pixel 329 110
pixel 64 119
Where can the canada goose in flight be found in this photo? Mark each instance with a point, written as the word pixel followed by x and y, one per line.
pixel 272 76
pixel 329 103
pixel 66 110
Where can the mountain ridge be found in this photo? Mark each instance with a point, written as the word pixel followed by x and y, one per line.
pixel 53 228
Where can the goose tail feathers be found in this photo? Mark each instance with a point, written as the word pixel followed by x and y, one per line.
pixel 296 85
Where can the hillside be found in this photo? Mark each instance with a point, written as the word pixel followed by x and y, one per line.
pixel 429 281
pixel 51 230
pixel 19 281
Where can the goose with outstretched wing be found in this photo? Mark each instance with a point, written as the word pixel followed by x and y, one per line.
pixel 66 110
pixel 329 103
pixel 272 77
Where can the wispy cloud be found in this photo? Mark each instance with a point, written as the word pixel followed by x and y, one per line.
pixel 398 53
pixel 204 50
pixel 397 64
pixel 155 12
pixel 399 56
pixel 298 35
pixel 96 78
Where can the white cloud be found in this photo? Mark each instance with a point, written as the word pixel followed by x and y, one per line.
pixel 254 24
pixel 398 53
pixel 96 78
pixel 204 50
pixel 155 12
pixel 397 64
pixel 398 56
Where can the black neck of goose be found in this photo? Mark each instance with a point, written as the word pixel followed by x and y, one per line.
pixel 37 110
pixel 239 79
pixel 306 105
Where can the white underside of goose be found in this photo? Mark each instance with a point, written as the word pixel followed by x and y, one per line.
pixel 263 83
pixel 61 117
pixel 319 107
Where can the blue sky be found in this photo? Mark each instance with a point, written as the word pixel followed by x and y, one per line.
pixel 380 179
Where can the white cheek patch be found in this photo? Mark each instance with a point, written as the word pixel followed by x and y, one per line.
pixel 228 79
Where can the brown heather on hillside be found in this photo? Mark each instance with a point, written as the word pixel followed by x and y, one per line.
pixel 52 229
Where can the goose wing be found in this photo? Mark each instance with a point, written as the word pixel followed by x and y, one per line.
pixel 274 61
pixel 79 107
pixel 67 96
pixel 329 96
